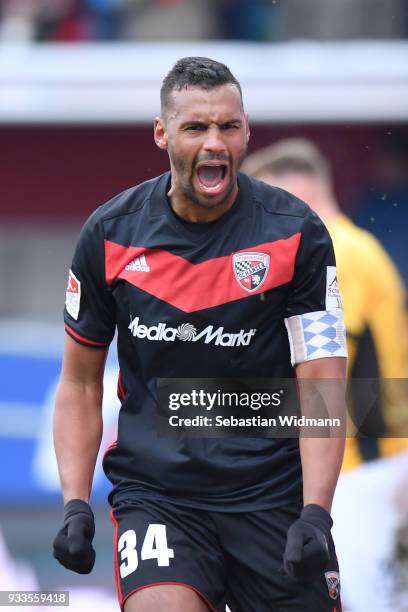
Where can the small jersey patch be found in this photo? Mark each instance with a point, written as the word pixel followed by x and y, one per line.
pixel 333 295
pixel 250 269
pixel 315 335
pixel 73 296
pixel 333 584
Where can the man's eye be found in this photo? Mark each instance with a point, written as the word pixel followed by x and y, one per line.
pixel 194 128
pixel 230 126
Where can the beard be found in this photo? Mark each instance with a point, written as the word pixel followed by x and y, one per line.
pixel 185 177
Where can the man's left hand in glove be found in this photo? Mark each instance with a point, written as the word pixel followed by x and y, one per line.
pixel 307 545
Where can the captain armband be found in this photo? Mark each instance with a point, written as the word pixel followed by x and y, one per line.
pixel 315 335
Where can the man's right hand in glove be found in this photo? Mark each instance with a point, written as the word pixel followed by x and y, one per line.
pixel 73 543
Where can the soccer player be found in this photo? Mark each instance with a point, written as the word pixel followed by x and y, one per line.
pixel 204 273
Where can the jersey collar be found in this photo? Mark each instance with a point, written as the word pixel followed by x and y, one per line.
pixel 243 206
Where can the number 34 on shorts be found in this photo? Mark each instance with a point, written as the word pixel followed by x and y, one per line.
pixel 154 546
pixel 158 542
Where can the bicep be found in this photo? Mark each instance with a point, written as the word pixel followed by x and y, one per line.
pixel 322 393
pixel 82 364
pixel 327 367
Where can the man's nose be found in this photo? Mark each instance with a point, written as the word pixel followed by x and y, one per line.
pixel 214 141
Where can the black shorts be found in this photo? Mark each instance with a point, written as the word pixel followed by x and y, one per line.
pixel 227 558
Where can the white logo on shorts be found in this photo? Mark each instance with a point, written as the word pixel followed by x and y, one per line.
pixel 333 584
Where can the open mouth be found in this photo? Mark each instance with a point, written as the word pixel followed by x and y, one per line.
pixel 211 177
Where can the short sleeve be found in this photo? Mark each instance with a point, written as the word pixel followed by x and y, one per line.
pixel 89 312
pixel 314 312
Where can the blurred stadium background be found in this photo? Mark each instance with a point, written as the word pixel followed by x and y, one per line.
pixel 79 86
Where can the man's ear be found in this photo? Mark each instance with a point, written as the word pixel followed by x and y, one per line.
pixel 248 131
pixel 160 133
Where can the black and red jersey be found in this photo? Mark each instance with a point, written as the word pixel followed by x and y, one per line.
pixel 248 295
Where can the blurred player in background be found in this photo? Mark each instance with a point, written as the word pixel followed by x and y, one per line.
pixel 375 318
pixel 180 266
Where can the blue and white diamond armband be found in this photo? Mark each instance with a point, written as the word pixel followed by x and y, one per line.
pixel 316 334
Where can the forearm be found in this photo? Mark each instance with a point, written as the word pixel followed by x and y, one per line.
pixel 77 435
pixel 321 463
pixel 322 391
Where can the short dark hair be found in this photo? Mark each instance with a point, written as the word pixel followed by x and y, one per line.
pixel 199 72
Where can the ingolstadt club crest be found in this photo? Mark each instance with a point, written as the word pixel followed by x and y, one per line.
pixel 250 269
pixel 333 584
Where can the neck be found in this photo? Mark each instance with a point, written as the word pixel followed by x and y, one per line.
pixel 190 210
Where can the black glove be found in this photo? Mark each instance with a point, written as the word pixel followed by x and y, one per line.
pixel 307 545
pixel 73 543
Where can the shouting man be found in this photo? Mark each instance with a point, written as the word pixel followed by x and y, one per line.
pixel 204 272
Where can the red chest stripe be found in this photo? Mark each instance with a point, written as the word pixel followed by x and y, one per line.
pixel 192 287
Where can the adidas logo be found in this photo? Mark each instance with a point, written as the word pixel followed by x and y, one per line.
pixel 139 264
